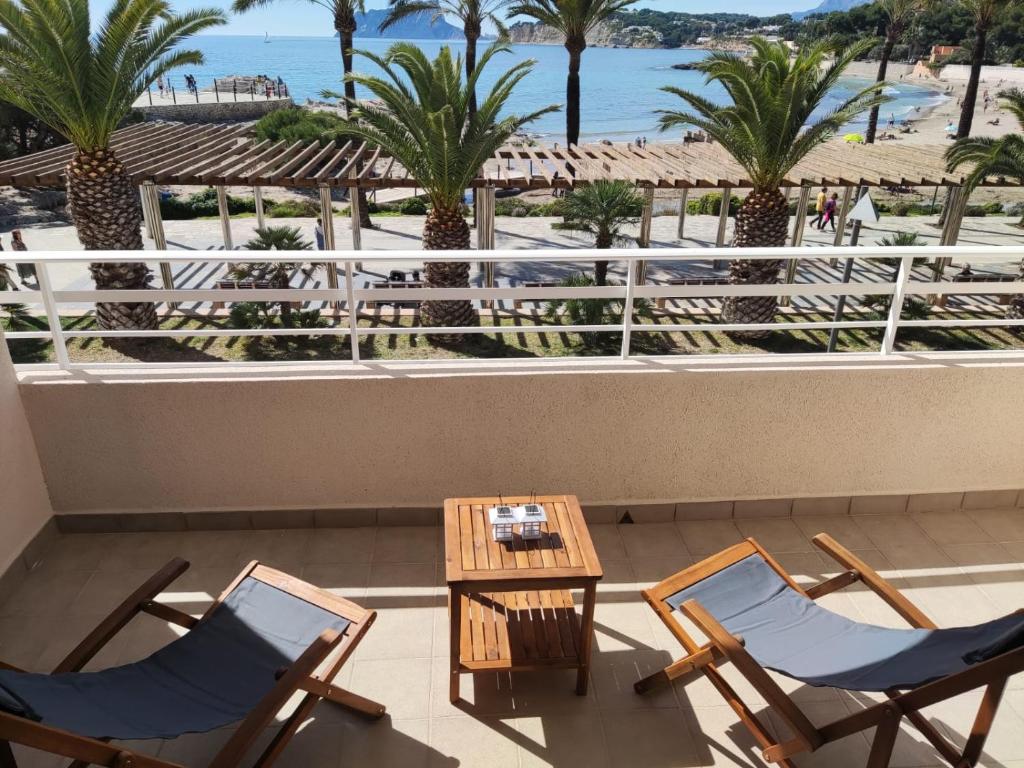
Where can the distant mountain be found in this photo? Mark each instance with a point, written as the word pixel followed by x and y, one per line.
pixel 829 6
pixel 416 27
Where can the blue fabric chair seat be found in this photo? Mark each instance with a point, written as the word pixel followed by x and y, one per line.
pixel 789 633
pixel 211 677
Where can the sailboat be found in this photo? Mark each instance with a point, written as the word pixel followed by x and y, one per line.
pixel 267 38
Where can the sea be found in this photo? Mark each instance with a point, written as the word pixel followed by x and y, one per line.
pixel 620 87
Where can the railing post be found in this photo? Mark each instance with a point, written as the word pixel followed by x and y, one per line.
pixel 60 348
pixel 353 318
pixel 627 311
pixel 896 305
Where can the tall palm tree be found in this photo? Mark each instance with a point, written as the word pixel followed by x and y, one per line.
pixel 472 13
pixel 995 157
pixel 601 210
pixel 985 13
pixel 574 19
pixel 343 13
pixel 421 118
pixel 768 127
pixel 82 85
pixel 899 14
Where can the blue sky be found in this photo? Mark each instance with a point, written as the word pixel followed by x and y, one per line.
pixel 299 17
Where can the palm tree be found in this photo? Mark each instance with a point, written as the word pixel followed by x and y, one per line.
pixel 472 13
pixel 991 157
pixel 574 19
pixel 421 118
pixel 899 15
pixel 278 274
pixel 985 14
pixel 601 210
pixel 768 127
pixel 82 85
pixel 343 12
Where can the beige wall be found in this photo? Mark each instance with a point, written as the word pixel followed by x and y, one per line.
pixel 608 437
pixel 24 504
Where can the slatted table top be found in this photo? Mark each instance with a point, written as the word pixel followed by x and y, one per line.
pixel 564 549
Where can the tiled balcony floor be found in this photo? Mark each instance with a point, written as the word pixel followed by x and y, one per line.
pixel 959 567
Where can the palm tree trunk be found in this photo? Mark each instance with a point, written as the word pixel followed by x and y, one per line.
pixel 602 242
pixel 471 37
pixel 346 31
pixel 572 91
pixel 446 230
pixel 761 222
pixel 883 67
pixel 104 206
pixel 971 94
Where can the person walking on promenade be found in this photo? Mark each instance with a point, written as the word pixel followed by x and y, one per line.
pixel 819 207
pixel 318 232
pixel 25 271
pixel 831 206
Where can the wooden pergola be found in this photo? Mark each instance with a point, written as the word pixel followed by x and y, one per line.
pixel 223 155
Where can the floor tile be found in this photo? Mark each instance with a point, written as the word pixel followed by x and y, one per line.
pixel 484 742
pixel 721 740
pixel 950 527
pixel 1001 524
pixel 613 674
pixel 777 535
pixel 401 685
pixel 347 580
pixel 607 542
pixel 708 537
pixel 341 545
pixel 562 741
pixel 843 529
pixel 651 738
pixel 385 742
pixel 652 540
pixel 406 544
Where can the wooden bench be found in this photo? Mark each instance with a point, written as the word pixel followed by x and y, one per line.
pixel 1004 298
pixel 226 285
pixel 396 284
pixel 518 303
pixel 660 301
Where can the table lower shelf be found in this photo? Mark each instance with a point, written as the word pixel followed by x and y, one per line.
pixel 518 631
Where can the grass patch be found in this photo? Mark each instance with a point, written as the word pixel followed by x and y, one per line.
pixel 656 336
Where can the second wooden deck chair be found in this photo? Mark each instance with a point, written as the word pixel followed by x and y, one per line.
pixel 267 637
pixel 755 616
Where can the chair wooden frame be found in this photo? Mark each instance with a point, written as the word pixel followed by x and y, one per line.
pixel 885 717
pixel 329 652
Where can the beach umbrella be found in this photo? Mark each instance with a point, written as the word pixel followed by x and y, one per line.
pixel 853 138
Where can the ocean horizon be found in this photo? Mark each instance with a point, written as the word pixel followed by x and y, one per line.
pixel 620 87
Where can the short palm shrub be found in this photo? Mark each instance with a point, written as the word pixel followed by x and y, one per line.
pixel 592 311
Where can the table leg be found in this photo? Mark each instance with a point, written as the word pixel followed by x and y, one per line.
pixel 586 638
pixel 455 631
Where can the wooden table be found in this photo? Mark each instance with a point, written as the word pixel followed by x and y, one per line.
pixel 509 603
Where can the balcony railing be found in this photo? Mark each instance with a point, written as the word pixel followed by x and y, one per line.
pixel 348 294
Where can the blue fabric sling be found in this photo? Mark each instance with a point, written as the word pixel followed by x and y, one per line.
pixel 791 634
pixel 210 677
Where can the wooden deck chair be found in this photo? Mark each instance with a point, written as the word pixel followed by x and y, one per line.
pixel 263 640
pixel 755 616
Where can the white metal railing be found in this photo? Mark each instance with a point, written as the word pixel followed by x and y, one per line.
pixel 350 295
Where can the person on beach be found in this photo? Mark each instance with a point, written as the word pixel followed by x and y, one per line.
pixel 819 207
pixel 160 85
pixel 830 211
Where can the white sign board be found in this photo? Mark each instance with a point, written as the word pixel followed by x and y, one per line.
pixel 864 210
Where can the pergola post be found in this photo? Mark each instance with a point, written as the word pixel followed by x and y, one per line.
pixel 353 206
pixel 151 211
pixel 801 217
pixel 841 224
pixel 723 216
pixel 257 194
pixel 327 222
pixel 485 234
pixel 225 217
pixel 644 240
pixel 145 210
pixel 682 212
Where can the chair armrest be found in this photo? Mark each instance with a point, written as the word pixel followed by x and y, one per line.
pixel 169 614
pixel 121 615
pixel 892 596
pixel 836 583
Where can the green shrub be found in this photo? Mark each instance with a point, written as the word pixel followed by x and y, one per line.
pixel 975 210
pixel 204 203
pixel 298 124
pixel 993 208
pixel 413 206
pixel 711 205
pixel 288 209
